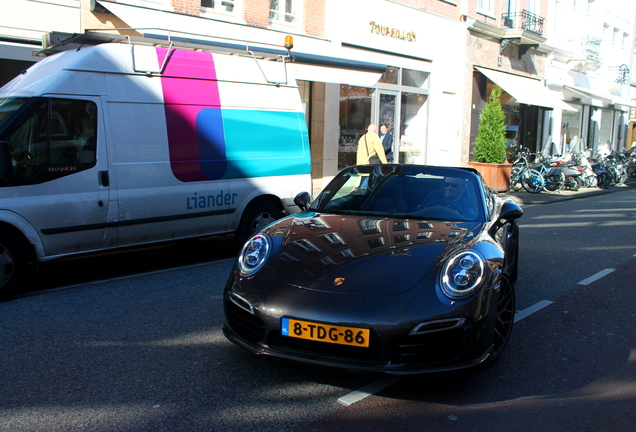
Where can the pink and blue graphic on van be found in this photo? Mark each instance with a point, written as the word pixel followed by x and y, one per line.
pixel 209 142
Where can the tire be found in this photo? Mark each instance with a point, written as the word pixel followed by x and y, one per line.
pixel 505 317
pixel 13 263
pixel 591 181
pixel 532 181
pixel 514 184
pixel 256 216
pixel 604 179
pixel 573 183
pixel 622 177
pixel 554 183
pixel 503 322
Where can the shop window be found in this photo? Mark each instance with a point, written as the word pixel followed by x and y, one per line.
pixel 390 76
pixel 571 128
pixel 355 115
pixel 415 78
pixel 413 126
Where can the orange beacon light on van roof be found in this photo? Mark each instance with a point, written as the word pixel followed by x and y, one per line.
pixel 289 42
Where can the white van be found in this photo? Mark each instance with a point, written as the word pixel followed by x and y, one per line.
pixel 122 144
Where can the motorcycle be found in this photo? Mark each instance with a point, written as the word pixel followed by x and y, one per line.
pixel 588 177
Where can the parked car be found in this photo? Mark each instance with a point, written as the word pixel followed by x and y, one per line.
pixel 393 268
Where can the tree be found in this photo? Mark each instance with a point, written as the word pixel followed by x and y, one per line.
pixel 490 144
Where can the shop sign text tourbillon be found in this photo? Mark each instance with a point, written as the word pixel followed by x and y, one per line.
pixel 383 30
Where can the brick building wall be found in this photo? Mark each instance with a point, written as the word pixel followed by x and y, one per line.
pixel 314 17
pixel 437 7
pixel 256 13
pixel 189 7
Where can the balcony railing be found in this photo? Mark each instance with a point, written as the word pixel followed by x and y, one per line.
pixel 524 20
pixel 586 45
pixel 620 74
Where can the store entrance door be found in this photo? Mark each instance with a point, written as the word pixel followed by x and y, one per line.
pixel 387 112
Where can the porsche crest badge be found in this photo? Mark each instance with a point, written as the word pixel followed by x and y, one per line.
pixel 338 281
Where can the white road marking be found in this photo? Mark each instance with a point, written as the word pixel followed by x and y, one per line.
pixel 368 390
pixel 532 309
pixel 596 277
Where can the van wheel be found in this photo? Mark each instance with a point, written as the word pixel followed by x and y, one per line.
pixel 13 263
pixel 256 217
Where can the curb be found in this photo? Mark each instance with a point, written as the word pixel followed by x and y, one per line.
pixel 525 198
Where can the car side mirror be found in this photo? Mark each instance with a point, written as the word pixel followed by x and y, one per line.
pixel 302 200
pixel 509 212
pixel 6 168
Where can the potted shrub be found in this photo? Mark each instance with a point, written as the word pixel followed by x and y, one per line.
pixel 490 144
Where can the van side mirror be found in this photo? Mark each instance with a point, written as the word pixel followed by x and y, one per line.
pixel 6 167
pixel 302 200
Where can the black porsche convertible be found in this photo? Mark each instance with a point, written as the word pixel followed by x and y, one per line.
pixel 392 268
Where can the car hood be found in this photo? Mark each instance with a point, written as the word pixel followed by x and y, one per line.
pixel 363 254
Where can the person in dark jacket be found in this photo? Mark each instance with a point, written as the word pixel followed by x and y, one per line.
pixel 387 142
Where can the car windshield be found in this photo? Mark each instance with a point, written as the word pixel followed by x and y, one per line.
pixel 404 191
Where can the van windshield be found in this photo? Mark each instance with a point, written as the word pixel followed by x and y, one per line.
pixel 8 106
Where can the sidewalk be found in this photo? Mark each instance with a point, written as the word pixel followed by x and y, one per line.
pixel 524 198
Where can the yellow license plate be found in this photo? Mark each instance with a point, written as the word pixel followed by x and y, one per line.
pixel 325 332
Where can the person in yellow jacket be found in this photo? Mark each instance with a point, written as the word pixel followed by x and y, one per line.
pixel 369 146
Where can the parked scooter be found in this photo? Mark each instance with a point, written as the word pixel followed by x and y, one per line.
pixel 588 176
pixel 601 170
pixel 573 173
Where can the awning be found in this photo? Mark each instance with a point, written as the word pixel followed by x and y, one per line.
pixel 525 90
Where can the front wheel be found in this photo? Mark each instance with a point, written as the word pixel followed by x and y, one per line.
pixel 257 216
pixel 13 263
pixel 532 181
pixel 505 317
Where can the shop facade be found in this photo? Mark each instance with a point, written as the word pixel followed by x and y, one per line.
pixel 418 96
pixel 513 57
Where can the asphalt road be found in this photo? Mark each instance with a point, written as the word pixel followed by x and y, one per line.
pixel 144 351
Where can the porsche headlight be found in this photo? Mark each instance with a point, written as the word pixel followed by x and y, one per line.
pixel 253 255
pixel 462 275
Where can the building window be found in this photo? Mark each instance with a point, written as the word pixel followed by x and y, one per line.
pixel 218 5
pixel 484 7
pixel 282 11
